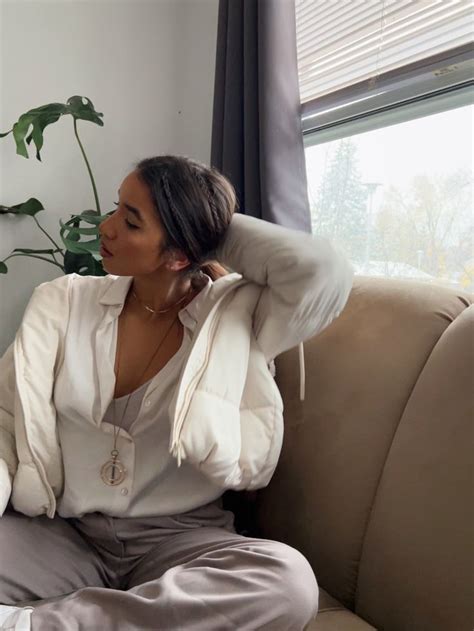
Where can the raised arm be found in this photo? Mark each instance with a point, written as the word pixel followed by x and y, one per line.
pixel 306 280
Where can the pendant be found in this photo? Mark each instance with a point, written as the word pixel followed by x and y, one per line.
pixel 113 472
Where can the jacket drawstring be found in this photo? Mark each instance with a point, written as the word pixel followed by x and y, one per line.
pixel 177 450
pixel 302 371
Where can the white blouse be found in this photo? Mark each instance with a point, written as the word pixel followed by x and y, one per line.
pixel 154 485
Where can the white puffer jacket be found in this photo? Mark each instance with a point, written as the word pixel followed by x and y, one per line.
pixel 227 413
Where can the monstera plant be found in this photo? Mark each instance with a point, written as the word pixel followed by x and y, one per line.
pixel 74 254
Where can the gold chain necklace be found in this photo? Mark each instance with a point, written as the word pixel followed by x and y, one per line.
pixel 155 311
pixel 113 472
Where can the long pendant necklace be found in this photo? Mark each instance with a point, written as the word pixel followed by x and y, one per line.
pixel 113 472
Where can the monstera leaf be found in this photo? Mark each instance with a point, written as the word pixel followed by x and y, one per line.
pixel 80 108
pixel 78 256
pixel 71 232
pixel 30 207
pixel 82 257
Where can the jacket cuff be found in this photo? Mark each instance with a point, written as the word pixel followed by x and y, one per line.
pixel 5 486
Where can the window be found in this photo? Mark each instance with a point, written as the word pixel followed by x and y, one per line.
pixel 387 118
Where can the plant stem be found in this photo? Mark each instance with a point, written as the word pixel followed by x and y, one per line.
pixel 34 256
pixel 43 230
pixel 88 168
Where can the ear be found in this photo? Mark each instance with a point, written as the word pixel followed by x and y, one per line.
pixel 177 261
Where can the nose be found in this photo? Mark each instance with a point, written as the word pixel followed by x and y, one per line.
pixel 106 228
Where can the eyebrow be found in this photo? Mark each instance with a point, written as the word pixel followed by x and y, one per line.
pixel 132 209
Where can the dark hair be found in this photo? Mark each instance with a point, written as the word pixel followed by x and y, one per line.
pixel 195 204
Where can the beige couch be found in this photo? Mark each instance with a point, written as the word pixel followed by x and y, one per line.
pixel 374 483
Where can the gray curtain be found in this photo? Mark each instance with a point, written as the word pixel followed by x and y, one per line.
pixel 256 133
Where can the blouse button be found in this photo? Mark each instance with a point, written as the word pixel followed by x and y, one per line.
pixel 147 403
pixel 124 492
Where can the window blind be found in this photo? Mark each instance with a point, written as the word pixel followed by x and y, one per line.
pixel 344 42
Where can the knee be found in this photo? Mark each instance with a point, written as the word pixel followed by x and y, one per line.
pixel 295 592
pixel 301 587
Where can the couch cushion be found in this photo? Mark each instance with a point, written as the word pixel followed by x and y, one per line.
pixel 360 373
pixel 418 546
pixel 333 616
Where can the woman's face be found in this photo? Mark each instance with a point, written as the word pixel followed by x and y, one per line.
pixel 132 237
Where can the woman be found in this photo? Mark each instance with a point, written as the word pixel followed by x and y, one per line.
pixel 129 403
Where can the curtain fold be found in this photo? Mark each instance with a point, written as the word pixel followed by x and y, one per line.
pixel 256 134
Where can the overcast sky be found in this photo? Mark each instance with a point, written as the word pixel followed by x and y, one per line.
pixel 440 143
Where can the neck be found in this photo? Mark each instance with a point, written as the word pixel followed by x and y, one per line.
pixel 161 290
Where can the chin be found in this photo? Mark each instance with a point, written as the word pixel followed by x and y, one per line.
pixel 106 266
pixel 111 268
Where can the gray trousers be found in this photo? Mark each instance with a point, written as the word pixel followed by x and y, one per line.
pixel 186 572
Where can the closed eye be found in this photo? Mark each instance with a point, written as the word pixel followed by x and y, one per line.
pixel 129 224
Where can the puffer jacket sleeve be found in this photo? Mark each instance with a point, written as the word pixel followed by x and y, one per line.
pixel 8 455
pixel 46 315
pixel 306 280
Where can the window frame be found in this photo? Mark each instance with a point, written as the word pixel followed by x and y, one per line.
pixel 434 84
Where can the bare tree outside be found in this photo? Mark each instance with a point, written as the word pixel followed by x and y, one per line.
pixel 429 226
pixel 418 227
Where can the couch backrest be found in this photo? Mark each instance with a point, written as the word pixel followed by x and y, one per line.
pixel 374 483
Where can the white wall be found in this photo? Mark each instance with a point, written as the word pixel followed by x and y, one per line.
pixel 147 65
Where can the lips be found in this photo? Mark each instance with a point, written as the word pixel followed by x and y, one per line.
pixel 104 251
